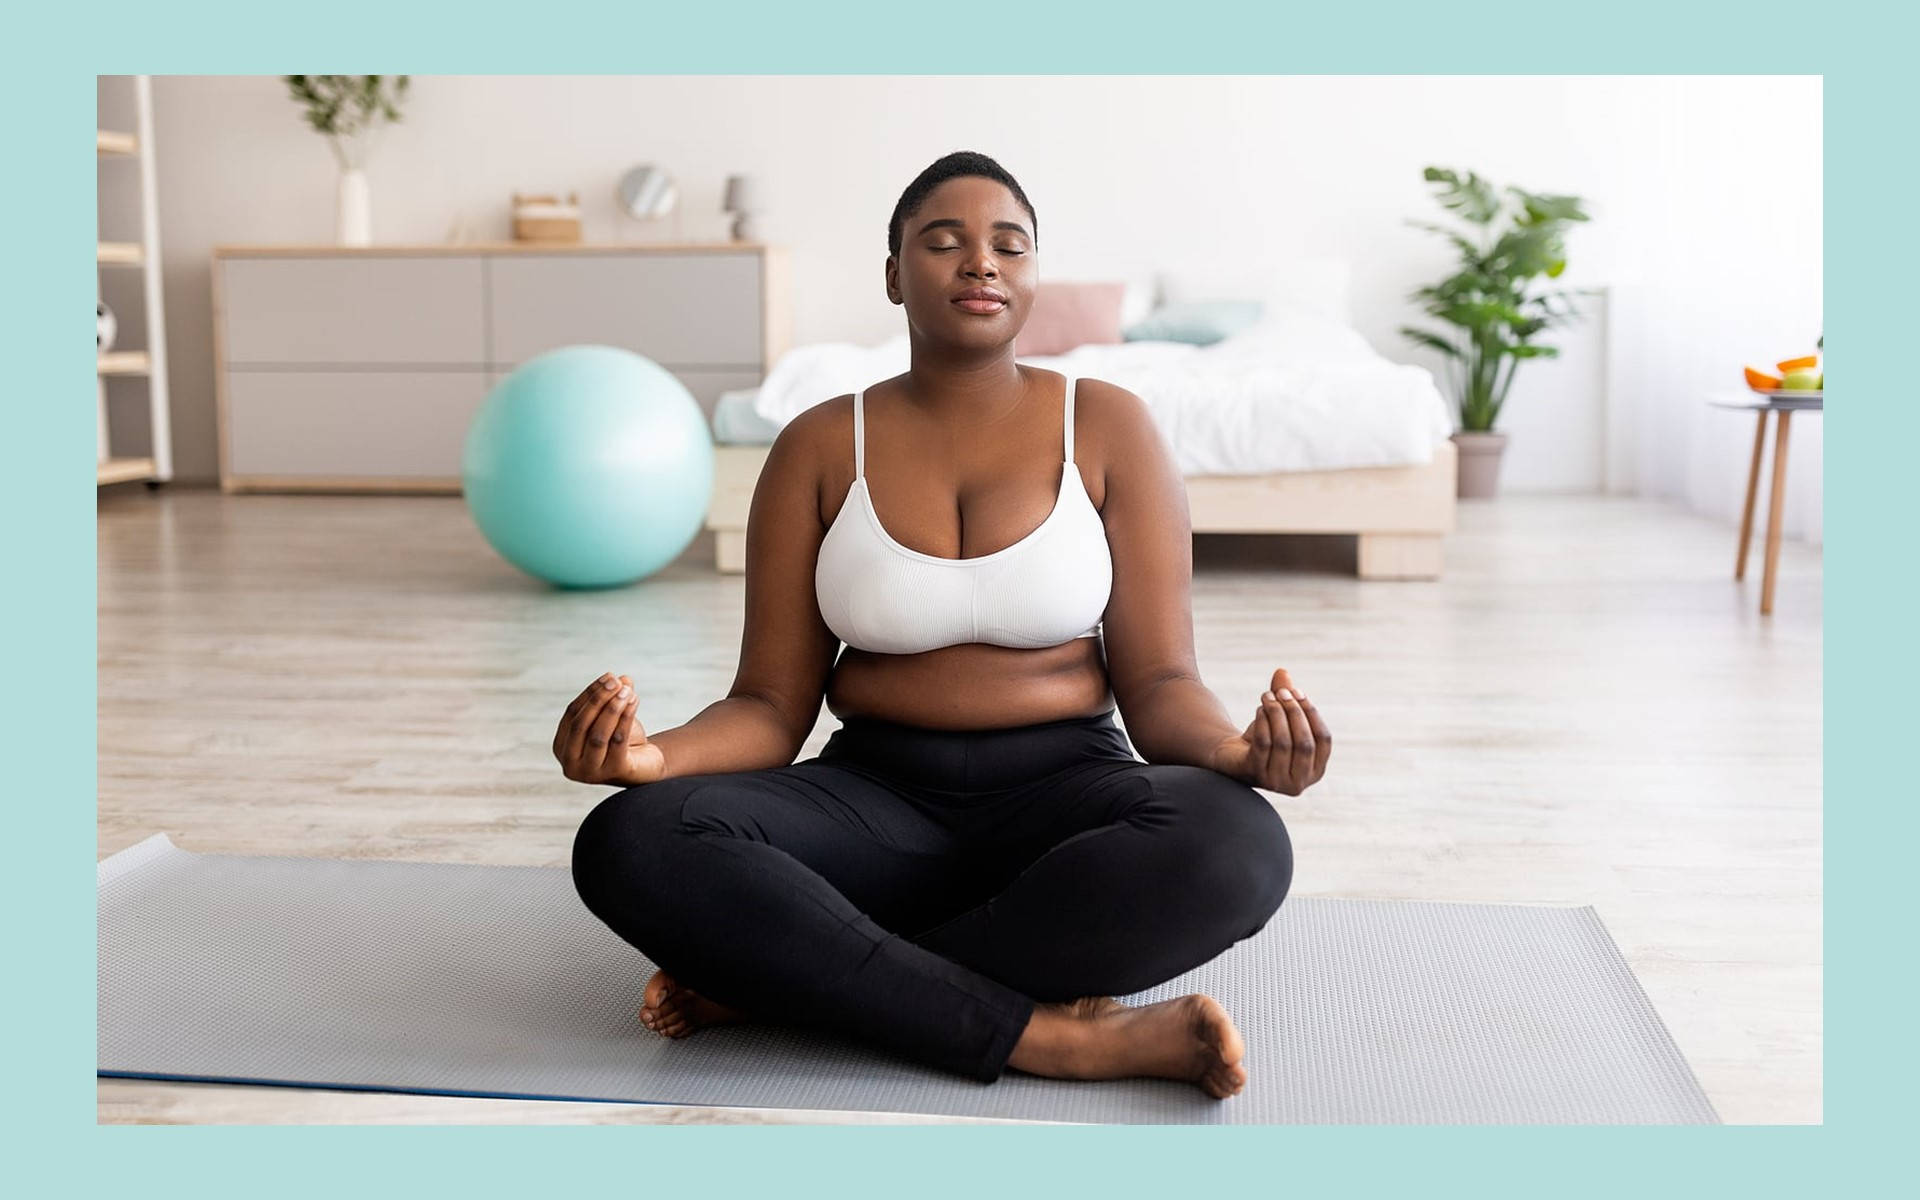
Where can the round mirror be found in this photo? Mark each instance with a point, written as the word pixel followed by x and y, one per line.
pixel 647 192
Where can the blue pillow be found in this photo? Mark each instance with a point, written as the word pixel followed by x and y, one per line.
pixel 1201 322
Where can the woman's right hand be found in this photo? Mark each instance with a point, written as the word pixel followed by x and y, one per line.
pixel 600 739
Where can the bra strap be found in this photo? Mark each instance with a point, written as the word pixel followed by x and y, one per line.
pixel 1071 381
pixel 859 434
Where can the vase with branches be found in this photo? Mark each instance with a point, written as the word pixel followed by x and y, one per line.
pixel 350 110
pixel 1493 311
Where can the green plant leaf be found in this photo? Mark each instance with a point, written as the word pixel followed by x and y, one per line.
pixel 1473 197
pixel 1431 340
pixel 1524 251
pixel 1542 209
pixel 345 105
pixel 1468 251
pixel 1480 314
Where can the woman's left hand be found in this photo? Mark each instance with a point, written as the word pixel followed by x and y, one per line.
pixel 1286 747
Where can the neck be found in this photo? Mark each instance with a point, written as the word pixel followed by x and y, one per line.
pixel 965 388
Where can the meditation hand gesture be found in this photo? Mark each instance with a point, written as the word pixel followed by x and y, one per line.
pixel 1286 748
pixel 600 739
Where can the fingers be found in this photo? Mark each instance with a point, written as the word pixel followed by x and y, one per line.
pixel 1280 743
pixel 630 729
pixel 598 695
pixel 564 732
pixel 601 732
pixel 1322 738
pixel 1300 736
pixel 588 699
pixel 581 720
pixel 1259 735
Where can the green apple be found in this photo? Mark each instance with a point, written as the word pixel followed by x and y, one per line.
pixel 1804 380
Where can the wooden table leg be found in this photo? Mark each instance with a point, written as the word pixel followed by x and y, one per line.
pixel 1773 511
pixel 1753 486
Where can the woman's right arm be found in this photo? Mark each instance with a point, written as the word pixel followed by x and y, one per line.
pixel 786 649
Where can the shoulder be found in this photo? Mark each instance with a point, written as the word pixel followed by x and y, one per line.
pixel 802 453
pixel 1117 442
pixel 802 461
pixel 1112 416
pixel 809 433
pixel 822 416
pixel 1109 397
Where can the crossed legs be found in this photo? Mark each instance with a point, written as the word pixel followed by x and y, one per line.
pixel 930 924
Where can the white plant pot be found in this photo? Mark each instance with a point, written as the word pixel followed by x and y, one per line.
pixel 356 211
pixel 1478 464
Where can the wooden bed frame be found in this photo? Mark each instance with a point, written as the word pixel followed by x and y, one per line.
pixel 1400 514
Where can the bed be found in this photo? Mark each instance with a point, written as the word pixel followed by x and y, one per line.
pixel 1294 425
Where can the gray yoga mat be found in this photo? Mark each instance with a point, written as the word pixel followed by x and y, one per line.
pixel 458 979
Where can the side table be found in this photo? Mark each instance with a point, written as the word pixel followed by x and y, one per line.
pixel 1785 406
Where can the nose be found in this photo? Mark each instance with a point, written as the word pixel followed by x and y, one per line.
pixel 982 265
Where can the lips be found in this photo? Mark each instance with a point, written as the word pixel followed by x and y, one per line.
pixel 981 300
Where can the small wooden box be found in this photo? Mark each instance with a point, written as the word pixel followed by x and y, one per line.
pixel 546 218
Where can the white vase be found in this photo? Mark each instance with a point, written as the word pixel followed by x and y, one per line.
pixel 356 214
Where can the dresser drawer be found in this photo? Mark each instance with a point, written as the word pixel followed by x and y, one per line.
pixel 350 424
pixel 379 309
pixel 693 310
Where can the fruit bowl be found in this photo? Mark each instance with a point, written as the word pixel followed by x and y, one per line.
pixel 1797 378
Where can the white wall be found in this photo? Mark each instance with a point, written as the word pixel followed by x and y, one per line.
pixel 1128 173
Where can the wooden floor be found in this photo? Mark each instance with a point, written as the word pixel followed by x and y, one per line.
pixel 1587 709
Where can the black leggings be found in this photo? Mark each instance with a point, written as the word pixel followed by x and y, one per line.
pixel 922 889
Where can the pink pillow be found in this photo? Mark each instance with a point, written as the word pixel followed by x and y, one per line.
pixel 1065 315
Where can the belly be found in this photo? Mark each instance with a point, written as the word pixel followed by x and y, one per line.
pixel 972 686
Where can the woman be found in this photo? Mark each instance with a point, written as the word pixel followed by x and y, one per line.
pixel 975 864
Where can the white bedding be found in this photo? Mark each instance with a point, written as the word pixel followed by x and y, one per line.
pixel 1297 392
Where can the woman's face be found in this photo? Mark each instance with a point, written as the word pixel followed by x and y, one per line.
pixel 969 233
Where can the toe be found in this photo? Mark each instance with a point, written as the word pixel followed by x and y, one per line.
pixel 1226 1081
pixel 658 988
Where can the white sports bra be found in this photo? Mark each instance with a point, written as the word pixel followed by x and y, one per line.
pixel 878 595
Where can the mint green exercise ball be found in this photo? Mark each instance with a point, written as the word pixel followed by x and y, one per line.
pixel 589 467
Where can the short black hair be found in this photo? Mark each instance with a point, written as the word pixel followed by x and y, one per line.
pixel 957 165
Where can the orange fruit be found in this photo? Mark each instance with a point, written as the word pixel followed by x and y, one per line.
pixel 1799 364
pixel 1761 381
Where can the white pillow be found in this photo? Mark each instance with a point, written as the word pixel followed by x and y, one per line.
pixel 1316 285
pixel 1138 300
pixel 1297 337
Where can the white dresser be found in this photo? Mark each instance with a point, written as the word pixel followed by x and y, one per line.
pixel 359 368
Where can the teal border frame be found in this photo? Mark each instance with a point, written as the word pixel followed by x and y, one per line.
pixel 1861 50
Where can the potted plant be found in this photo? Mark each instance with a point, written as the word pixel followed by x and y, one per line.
pixel 1488 302
pixel 349 109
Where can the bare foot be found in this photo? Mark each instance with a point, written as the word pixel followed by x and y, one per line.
pixel 1189 1038
pixel 671 1010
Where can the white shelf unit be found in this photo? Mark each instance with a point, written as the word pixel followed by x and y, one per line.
pixel 150 363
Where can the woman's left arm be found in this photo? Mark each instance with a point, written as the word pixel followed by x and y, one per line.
pixel 1171 716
